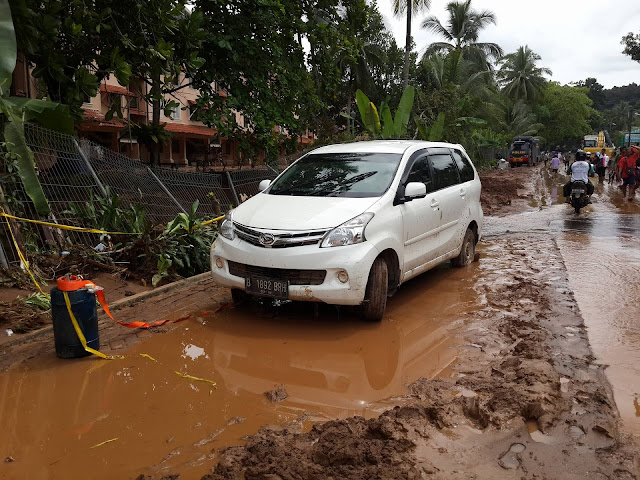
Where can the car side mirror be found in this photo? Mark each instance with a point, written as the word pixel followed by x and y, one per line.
pixel 414 190
pixel 263 185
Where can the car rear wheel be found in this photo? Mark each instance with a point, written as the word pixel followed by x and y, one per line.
pixel 375 298
pixel 468 250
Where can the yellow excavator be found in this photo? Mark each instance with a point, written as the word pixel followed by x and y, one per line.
pixel 595 143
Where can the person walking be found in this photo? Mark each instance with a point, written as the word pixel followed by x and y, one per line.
pixel 628 170
pixel 613 171
pixel 555 163
pixel 600 165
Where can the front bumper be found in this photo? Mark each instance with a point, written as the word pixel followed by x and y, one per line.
pixel 356 260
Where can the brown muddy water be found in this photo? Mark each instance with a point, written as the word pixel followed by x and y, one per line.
pixel 55 414
pixel 601 251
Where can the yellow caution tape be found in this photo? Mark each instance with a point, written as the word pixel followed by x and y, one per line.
pixel 66 227
pixel 197 379
pixel 209 222
pixel 21 256
pixel 86 229
pixel 83 340
pixel 149 357
pixel 105 442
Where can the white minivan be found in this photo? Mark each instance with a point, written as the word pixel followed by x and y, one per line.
pixel 348 224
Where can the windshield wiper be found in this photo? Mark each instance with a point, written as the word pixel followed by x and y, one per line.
pixel 347 183
pixel 294 188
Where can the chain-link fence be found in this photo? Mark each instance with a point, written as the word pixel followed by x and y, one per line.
pixel 76 175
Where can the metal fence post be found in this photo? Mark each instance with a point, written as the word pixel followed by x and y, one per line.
pixel 91 170
pixel 166 190
pixel 233 189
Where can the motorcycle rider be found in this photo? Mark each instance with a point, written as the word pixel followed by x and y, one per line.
pixel 579 170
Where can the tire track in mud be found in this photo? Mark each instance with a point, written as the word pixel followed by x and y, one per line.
pixel 526 399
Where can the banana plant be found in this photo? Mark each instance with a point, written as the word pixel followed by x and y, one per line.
pixel 433 133
pixel 388 126
pixel 16 111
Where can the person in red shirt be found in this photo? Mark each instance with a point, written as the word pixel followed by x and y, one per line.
pixel 627 168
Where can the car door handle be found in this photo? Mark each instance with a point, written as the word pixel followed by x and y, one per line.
pixel 435 204
pixel 462 193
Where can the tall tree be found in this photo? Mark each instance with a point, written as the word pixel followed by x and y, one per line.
pixel 565 112
pixel 631 44
pixel 462 32
pixel 408 8
pixel 519 75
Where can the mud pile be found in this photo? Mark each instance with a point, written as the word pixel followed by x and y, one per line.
pixel 526 398
pixel 500 187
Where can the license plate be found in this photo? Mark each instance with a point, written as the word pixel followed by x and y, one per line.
pixel 267 287
pixel 577 191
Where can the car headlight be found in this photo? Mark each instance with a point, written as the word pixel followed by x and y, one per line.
pixel 349 233
pixel 226 229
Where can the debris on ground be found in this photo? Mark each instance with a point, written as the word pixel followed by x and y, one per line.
pixel 278 394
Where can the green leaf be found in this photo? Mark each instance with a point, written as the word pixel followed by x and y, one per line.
pixel 387 121
pixel 17 145
pixel 372 120
pixel 424 133
pixel 404 111
pixel 363 103
pixel 50 115
pixel 437 129
pixel 8 49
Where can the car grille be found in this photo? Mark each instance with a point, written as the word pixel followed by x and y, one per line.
pixel 295 277
pixel 278 239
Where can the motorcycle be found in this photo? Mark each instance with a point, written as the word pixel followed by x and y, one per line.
pixel 579 197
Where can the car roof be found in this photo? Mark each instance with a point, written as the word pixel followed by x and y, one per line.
pixel 381 146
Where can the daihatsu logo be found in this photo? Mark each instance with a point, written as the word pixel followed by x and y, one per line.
pixel 266 239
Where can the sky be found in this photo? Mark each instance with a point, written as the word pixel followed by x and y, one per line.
pixel 575 38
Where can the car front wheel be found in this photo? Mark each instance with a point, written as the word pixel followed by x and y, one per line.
pixel 375 298
pixel 468 250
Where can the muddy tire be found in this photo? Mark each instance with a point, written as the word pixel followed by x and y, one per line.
pixel 467 252
pixel 577 209
pixel 239 296
pixel 375 297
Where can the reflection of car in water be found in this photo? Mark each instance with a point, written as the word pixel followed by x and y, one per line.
pixel 342 364
pixel 348 224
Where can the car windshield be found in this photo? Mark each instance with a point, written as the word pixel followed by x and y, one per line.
pixel 590 143
pixel 338 175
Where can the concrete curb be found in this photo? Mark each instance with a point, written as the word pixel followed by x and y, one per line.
pixel 115 306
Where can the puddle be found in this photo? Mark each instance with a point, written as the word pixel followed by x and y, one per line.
pixel 160 409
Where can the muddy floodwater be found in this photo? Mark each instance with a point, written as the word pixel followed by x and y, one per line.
pixel 55 414
pixel 601 252
pixel 506 374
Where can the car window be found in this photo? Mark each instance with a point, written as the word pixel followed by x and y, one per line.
pixel 464 166
pixel 421 172
pixel 445 172
pixel 355 175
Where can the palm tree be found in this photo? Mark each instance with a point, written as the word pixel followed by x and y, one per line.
pixel 453 69
pixel 410 7
pixel 461 33
pixel 519 76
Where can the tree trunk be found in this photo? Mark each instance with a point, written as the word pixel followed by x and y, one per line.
pixel 407 48
pixel 154 158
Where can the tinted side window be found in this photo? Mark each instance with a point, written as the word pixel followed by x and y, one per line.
pixel 445 172
pixel 421 172
pixel 466 170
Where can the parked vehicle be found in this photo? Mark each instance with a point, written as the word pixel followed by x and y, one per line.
pixel 524 151
pixel 595 143
pixel 579 197
pixel 348 224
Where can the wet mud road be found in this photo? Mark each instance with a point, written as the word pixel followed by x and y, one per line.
pixel 500 370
